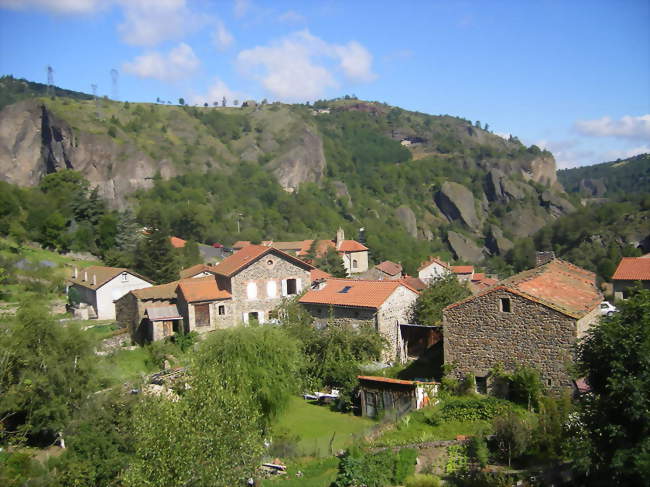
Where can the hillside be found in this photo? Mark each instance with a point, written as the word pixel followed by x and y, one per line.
pixel 609 179
pixel 414 181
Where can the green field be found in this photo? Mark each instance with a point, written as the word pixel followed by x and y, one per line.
pixel 316 424
pixel 316 473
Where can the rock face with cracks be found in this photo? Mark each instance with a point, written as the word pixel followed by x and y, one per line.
pixel 456 202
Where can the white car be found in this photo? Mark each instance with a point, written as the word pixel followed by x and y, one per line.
pixel 607 309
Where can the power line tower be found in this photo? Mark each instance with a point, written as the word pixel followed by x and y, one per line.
pixel 50 80
pixel 115 78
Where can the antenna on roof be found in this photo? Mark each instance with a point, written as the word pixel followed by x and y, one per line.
pixel 115 78
pixel 50 80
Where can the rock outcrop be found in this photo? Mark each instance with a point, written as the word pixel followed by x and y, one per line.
pixel 464 248
pixel 303 162
pixel 456 202
pixel 406 216
pixel 557 205
pixel 498 187
pixel 497 242
pixel 541 169
pixel 522 221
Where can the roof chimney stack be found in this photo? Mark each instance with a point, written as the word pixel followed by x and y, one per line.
pixel 85 276
pixel 94 279
pixel 340 236
pixel 542 258
pixel 75 272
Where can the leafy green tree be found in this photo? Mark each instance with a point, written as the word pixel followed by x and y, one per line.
pixel 181 101
pixel 243 354
pixel 513 433
pixel 155 256
pixel 526 387
pixel 438 295
pixel 210 436
pixel 615 359
pixel 331 263
pixel 46 372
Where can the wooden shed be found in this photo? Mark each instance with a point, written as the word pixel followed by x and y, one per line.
pixel 399 396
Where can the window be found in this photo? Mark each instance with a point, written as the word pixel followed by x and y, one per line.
pixel 271 289
pixel 481 384
pixel 202 314
pixel 292 287
pixel 345 290
pixel 253 316
pixel 355 264
pixel 269 262
pixel 222 310
pixel 505 305
pixel 549 382
pixel 125 277
pixel 251 290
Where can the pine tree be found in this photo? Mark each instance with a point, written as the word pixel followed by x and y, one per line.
pixel 155 256
pixel 331 263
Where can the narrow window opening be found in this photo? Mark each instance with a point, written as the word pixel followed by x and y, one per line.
pixel 481 384
pixel 222 310
pixel 505 305
pixel 355 264
pixel 549 382
pixel 292 287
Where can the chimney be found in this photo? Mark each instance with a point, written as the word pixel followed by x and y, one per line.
pixel 75 272
pixel 542 258
pixel 85 276
pixel 94 279
pixel 340 236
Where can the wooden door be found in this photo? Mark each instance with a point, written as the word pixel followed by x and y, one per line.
pixel 202 314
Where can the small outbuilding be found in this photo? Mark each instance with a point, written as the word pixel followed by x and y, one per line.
pixel 397 396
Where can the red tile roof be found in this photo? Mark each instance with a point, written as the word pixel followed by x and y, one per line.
pixel 202 289
pixel 558 284
pixel 633 269
pixel 240 244
pixel 414 282
pixel 162 291
pixel 462 269
pixel 351 246
pixel 360 293
pixel 196 269
pixel 317 274
pixel 434 260
pixel 246 256
pixel 177 243
pixel 388 380
pixel 390 268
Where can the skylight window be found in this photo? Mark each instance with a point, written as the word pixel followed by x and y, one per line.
pixel 345 290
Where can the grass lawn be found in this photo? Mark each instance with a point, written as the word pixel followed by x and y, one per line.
pixel 316 473
pixel 417 431
pixel 315 426
pixel 100 329
pixel 124 366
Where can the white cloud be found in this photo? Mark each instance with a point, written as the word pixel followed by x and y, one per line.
pixel 291 17
pixel 628 126
pixel 301 66
pixel 150 22
pixel 221 37
pixel 216 92
pixel 178 63
pixel 56 6
pixel 242 7
pixel 625 153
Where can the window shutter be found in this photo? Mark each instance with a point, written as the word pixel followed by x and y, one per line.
pixel 271 289
pixel 298 285
pixel 251 290
pixel 284 287
pixel 245 317
pixel 261 317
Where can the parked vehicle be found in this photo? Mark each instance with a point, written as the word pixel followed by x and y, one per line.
pixel 607 309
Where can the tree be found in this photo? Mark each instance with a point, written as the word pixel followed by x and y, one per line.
pixel 512 433
pixel 331 263
pixel 205 104
pixel 46 372
pixel 440 293
pixel 155 256
pixel 210 436
pixel 223 101
pixel 181 101
pixel 235 102
pixel 614 357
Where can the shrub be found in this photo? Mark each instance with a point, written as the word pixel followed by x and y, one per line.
pixel 478 450
pixel 420 480
pixel 481 479
pixel 432 416
pixel 375 470
pixel 473 409
pixel 526 387
pixel 468 385
pixel 404 464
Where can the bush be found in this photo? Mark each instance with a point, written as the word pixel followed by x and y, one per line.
pixel 473 409
pixel 404 464
pixel 526 387
pixel 481 479
pixel 375 470
pixel 468 385
pixel 478 450
pixel 432 416
pixel 420 480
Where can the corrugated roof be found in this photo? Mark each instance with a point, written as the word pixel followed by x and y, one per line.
pixel 389 267
pixel 244 257
pixel 163 312
pixel 359 293
pixel 388 380
pixel 102 275
pixel 633 269
pixel 558 284
pixel 162 291
pixel 434 260
pixel 202 289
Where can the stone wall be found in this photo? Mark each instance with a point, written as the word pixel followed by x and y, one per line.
pixel 621 288
pixel 395 310
pixel 478 335
pixel 341 315
pixel 270 267
pixel 361 258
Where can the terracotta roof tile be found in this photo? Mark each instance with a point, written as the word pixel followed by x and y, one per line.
pixel 390 268
pixel 462 269
pixel 196 269
pixel 177 243
pixel 558 284
pixel 162 291
pixel 317 274
pixel 633 269
pixel 359 293
pixel 202 289
pixel 351 246
pixel 102 275
pixel 414 282
pixel 434 260
pixel 388 380
pixel 244 257
pixel 240 244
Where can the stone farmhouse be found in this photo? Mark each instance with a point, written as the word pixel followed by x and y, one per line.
pixel 353 254
pixel 384 270
pixel 436 268
pixel 381 304
pixel 433 269
pixel 629 271
pixel 533 318
pixel 99 286
pixel 248 285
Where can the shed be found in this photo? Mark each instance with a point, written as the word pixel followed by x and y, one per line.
pixel 164 321
pixel 417 339
pixel 399 396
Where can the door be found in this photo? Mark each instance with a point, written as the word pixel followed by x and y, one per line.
pixel 202 314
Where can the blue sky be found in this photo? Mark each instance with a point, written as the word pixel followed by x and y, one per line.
pixel 572 76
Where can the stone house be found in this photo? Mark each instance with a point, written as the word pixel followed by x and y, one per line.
pixel 384 270
pixel 464 273
pixel 204 305
pixel 398 396
pixel 433 269
pixel 533 318
pixel 99 286
pixel 631 270
pixel 380 304
pixel 162 321
pixel 198 270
